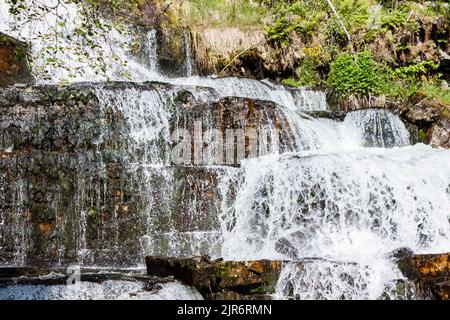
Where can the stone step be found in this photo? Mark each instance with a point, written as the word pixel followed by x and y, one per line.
pixel 115 119
pixel 219 279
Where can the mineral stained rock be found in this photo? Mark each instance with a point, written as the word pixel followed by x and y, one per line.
pixel 430 272
pixel 218 279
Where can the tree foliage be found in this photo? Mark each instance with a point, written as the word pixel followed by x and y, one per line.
pixel 80 31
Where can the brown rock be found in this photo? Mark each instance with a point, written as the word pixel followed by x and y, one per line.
pixel 430 273
pixel 45 228
pixel 13 62
pixel 432 265
pixel 425 112
pixel 439 134
pixel 217 278
pixel 231 295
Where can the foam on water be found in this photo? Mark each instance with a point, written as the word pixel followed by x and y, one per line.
pixel 354 207
pixel 115 53
pixel 341 281
pixel 326 203
pixel 107 290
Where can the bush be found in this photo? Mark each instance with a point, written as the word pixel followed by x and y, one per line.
pixel 359 74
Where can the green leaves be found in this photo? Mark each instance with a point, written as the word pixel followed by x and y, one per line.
pixel 416 70
pixel 77 40
pixel 280 31
pixel 358 74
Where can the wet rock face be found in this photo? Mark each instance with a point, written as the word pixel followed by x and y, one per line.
pixel 172 51
pixel 71 195
pixel 246 280
pixel 13 63
pixel 72 119
pixel 424 113
pixel 352 102
pixel 58 125
pixel 62 208
pixel 230 117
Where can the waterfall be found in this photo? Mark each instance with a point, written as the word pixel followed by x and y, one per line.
pixel 320 200
pixel 123 66
pixel 146 121
pixel 341 281
pixel 353 207
pixel 151 50
pixel 188 60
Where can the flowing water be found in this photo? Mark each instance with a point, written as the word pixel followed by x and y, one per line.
pixel 343 196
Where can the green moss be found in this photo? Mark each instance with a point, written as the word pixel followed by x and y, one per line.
pixel 92 212
pixel 291 82
pixel 422 135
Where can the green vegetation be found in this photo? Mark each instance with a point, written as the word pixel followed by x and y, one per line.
pixel 359 74
pixel 379 59
pixel 83 42
pixel 393 47
pixel 217 13
pixel 434 91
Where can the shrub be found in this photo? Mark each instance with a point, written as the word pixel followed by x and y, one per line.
pixel 359 74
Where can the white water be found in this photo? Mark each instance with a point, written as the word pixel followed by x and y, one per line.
pixel 107 290
pixel 329 203
pixel 147 114
pixel 122 66
pixel 378 128
pixel 355 206
pixel 315 280
pixel 146 120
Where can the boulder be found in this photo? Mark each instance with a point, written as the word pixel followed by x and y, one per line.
pixel 430 273
pixel 425 112
pixel 439 134
pixel 217 278
pixel 430 120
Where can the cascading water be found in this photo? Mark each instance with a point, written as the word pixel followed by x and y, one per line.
pixel 122 66
pixel 108 290
pixel 352 207
pixel 340 198
pixel 380 128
